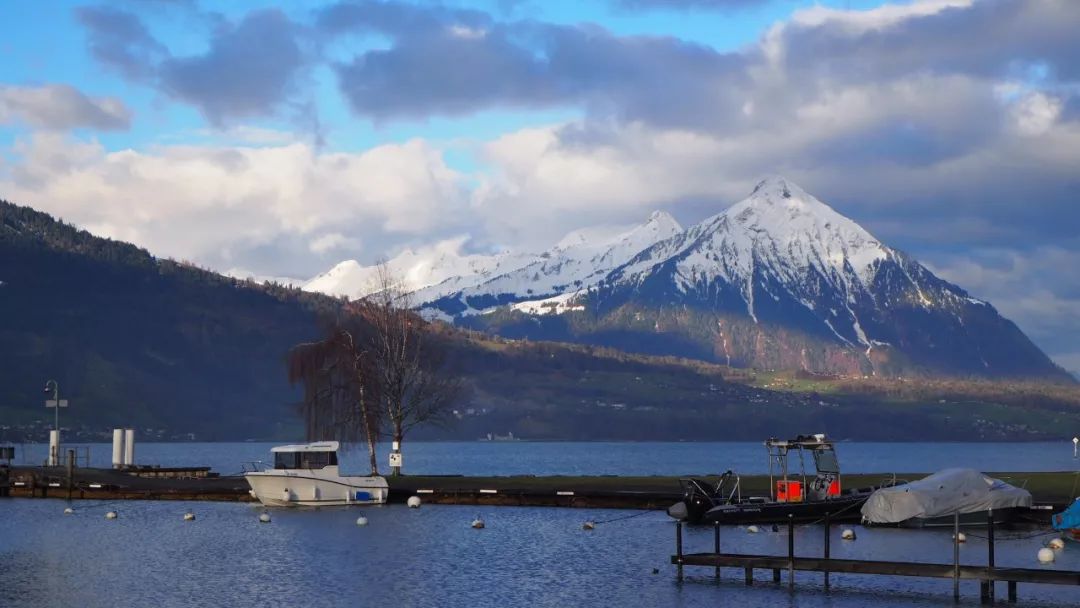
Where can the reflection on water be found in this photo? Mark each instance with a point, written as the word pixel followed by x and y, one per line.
pixel 614 458
pixel 431 557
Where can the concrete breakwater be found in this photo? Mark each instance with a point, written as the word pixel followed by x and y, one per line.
pixel 1056 489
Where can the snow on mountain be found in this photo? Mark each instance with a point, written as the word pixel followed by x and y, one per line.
pixel 418 269
pixel 780 237
pixel 578 261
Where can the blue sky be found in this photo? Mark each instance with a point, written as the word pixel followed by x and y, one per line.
pixel 247 136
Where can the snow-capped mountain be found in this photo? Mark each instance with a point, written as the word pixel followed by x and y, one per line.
pixel 780 279
pixel 580 260
pixel 777 280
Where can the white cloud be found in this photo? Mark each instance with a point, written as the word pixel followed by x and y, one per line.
pixel 61 107
pixel 1036 113
pixel 211 204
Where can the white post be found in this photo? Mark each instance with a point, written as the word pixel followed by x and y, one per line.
pixel 117 448
pixel 54 447
pixel 129 447
pixel 1076 440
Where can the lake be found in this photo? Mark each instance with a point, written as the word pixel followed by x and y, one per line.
pixel 430 556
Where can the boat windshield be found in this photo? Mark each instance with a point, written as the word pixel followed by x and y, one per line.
pixel 304 460
pixel 826 462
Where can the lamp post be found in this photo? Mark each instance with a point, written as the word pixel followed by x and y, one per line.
pixel 55 402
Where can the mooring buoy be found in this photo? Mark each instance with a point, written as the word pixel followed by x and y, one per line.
pixel 189 516
pixel 960 537
pixel 110 515
pixel 589 525
pixel 1056 543
pixel 69 511
pixel 1045 556
pixel 413 502
pixel 752 529
pixel 264 518
pixel 478 523
pixel 848 534
pixel 361 521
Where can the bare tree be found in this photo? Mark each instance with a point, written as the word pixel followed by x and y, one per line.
pixel 340 389
pixel 408 360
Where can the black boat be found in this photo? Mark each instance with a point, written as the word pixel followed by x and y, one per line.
pixel 792 496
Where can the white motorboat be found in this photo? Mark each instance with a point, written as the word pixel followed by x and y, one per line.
pixel 307 475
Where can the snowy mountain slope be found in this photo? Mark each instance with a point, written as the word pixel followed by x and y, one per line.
pixel 418 269
pixel 580 260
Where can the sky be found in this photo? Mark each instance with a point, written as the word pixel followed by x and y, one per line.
pixel 279 140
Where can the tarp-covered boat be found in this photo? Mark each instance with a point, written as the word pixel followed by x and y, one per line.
pixel 933 500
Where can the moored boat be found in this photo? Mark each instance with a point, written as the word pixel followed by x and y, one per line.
pixel 1068 521
pixel 793 495
pixel 935 501
pixel 308 475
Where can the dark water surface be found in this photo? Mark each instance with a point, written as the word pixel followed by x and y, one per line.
pixel 431 557
pixel 612 458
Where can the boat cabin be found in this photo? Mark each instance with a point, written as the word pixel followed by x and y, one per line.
pixel 317 455
pixel 789 484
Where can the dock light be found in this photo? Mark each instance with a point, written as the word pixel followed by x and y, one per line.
pixel 1046 556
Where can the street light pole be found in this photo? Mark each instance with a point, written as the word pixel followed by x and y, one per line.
pixel 54 455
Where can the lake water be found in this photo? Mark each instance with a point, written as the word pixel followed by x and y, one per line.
pixel 610 458
pixel 431 557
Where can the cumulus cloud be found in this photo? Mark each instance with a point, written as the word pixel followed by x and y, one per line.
pixel 221 205
pixel 60 106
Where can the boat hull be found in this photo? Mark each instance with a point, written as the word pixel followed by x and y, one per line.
pixel 298 488
pixel 844 508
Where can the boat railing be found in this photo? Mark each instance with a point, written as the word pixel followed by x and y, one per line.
pixel 254 466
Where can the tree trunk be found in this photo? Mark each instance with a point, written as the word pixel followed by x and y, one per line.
pixel 370 434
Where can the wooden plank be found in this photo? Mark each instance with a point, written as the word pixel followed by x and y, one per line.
pixel 889 568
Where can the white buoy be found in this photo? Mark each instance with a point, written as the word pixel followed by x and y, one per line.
pixel 189 516
pixel 361 521
pixel 478 523
pixel 1046 556
pixel 264 518
pixel 110 515
pixel 413 502
pixel 848 534
pixel 69 511
pixel 589 525
pixel 752 529
pixel 960 537
pixel 1056 544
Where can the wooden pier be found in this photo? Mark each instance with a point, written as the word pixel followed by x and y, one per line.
pixel 986 575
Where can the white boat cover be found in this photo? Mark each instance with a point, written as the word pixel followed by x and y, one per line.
pixel 946 492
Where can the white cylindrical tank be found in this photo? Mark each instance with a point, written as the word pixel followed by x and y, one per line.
pixel 54 448
pixel 117 448
pixel 129 447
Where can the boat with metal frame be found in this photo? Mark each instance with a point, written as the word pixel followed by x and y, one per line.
pixel 308 475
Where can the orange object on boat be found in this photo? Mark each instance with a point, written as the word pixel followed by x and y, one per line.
pixel 789 491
